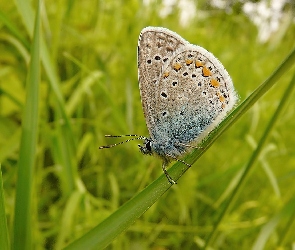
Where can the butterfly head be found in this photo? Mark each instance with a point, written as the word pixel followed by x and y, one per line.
pixel 146 147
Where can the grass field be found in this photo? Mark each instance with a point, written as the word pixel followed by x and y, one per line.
pixel 68 76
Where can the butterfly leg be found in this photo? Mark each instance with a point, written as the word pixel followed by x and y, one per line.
pixel 169 178
pixel 165 163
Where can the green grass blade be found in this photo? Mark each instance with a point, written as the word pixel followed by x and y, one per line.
pixel 252 160
pixel 103 234
pixel 288 230
pixel 286 212
pixel 23 204
pixel 266 231
pixel 66 136
pixel 13 29
pixel 4 239
pixel 67 218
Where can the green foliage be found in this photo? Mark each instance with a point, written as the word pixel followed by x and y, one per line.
pixel 89 88
pixel 28 144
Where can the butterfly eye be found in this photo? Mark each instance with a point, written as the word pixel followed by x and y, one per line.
pixel 148 146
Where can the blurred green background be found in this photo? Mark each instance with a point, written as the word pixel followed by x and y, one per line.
pixel 93 56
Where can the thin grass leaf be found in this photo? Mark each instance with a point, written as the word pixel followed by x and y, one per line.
pixel 4 239
pixel 266 231
pixel 13 29
pixel 80 92
pixel 267 150
pixel 67 218
pixel 269 228
pixel 23 50
pixel 287 231
pixel 103 234
pixel 23 203
pixel 252 160
pixel 66 137
pixel 271 176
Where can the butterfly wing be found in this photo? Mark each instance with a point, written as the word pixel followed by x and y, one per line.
pixel 185 91
pixel 193 96
pixel 155 46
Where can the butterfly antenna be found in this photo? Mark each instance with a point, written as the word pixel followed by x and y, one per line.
pixel 123 136
pixel 116 144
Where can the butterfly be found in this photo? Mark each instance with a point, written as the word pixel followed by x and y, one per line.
pixel 185 93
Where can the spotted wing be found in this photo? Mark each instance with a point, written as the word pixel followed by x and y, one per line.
pixel 156 46
pixel 193 95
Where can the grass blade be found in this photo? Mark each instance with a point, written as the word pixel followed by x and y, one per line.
pixel 286 212
pixel 23 204
pixel 65 129
pixel 4 239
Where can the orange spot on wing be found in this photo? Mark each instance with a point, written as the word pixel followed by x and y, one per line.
pixel 188 62
pixel 214 83
pixel 199 64
pixel 206 72
pixel 166 74
pixel 221 98
pixel 176 66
